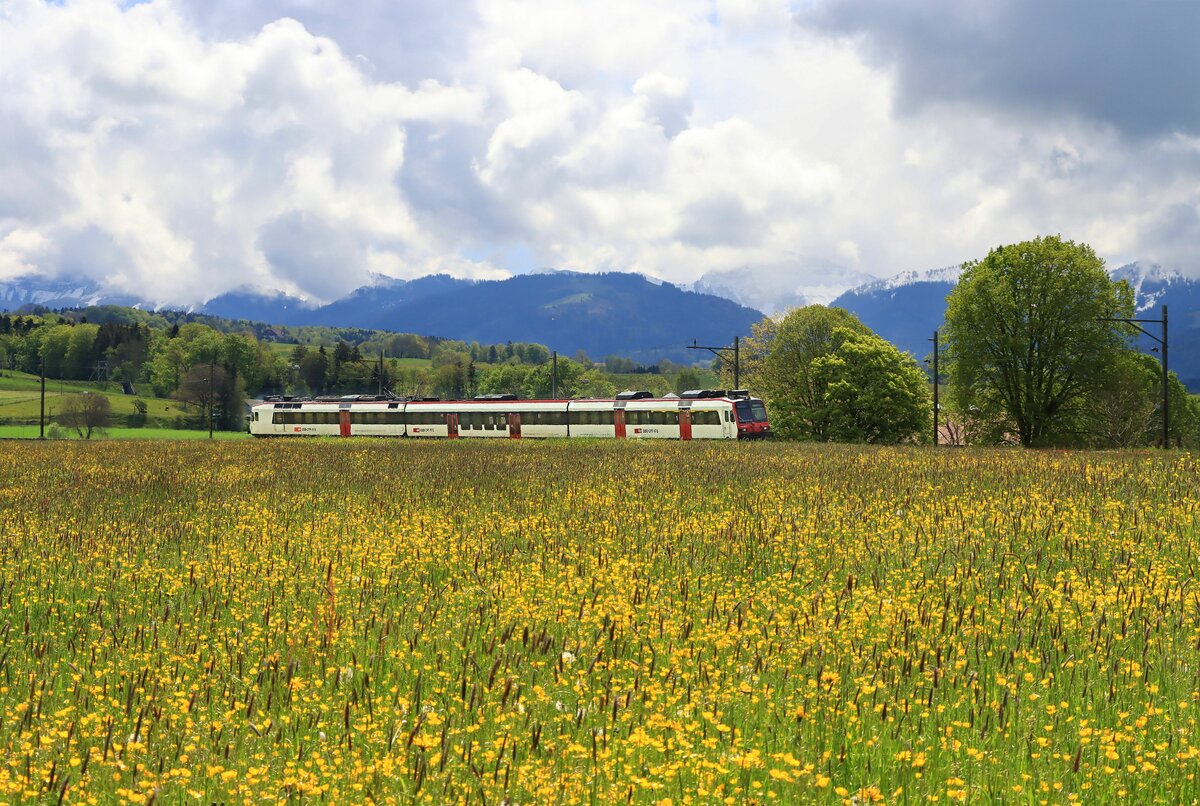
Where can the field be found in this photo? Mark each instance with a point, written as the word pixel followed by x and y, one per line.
pixel 592 622
pixel 31 432
pixel 20 399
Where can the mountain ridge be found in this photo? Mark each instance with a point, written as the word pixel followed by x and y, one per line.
pixel 613 313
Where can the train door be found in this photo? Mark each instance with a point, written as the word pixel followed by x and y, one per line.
pixel 514 425
pixel 685 424
pixel 344 422
pixel 619 423
pixel 452 426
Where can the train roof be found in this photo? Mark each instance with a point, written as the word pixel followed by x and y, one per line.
pixel 393 402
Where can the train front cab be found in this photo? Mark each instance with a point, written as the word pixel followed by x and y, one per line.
pixel 751 416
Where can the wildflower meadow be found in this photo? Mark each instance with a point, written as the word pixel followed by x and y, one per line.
pixel 352 621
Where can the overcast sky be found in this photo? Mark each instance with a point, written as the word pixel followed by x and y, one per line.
pixel 179 148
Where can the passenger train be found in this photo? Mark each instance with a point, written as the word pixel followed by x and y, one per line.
pixel 699 414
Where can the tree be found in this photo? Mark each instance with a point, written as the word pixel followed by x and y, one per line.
pixel 1027 344
pixel 203 386
pixel 85 413
pixel 314 366
pixel 871 391
pixel 450 379
pixel 540 383
pixel 778 361
pixel 504 379
pixel 1125 411
pixel 687 379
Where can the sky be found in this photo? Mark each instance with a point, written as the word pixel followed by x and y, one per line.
pixel 176 149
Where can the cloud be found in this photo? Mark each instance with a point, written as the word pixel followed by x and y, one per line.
pixel 1129 65
pixel 187 153
pixel 178 149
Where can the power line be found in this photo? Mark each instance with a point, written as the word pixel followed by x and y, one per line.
pixel 720 352
pixel 1163 341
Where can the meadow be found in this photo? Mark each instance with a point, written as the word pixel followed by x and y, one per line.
pixel 391 621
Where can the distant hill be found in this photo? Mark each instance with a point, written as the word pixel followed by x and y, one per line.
pixel 386 298
pixel 907 308
pixel 258 306
pixel 602 314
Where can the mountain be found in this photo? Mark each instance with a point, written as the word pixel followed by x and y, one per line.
pixel 384 298
pixel 29 292
pixel 904 309
pixel 775 289
pixel 907 308
pixel 602 314
pixel 257 306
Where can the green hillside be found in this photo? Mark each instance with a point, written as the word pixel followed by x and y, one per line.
pixel 19 401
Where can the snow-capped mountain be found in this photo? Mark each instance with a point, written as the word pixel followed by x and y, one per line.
pixel 25 292
pixel 906 308
pixel 775 289
pixel 1150 282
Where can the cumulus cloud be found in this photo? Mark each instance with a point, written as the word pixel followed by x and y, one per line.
pixel 180 148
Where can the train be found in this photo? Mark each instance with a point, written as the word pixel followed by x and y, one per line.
pixel 696 414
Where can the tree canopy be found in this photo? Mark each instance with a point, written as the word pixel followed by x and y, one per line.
pixel 1029 338
pixel 826 376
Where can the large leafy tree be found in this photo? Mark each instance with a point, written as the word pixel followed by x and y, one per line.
pixel 872 392
pixel 778 360
pixel 826 376
pixel 1028 340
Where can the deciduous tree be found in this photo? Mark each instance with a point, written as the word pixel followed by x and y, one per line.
pixel 85 413
pixel 1027 341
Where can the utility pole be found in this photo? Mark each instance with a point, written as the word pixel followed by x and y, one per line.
pixel 42 415
pixel 211 369
pixel 1165 387
pixel 936 378
pixel 720 352
pixel 1163 344
pixel 554 375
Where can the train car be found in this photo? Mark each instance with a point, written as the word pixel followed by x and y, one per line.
pixel 698 414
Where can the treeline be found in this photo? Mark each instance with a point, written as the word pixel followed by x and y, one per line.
pixel 208 363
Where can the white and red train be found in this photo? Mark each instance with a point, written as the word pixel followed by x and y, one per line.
pixel 632 415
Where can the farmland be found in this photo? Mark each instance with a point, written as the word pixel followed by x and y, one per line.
pixel 555 622
pixel 20 399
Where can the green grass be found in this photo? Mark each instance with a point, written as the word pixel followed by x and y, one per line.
pixel 20 398
pixel 409 621
pixel 31 432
